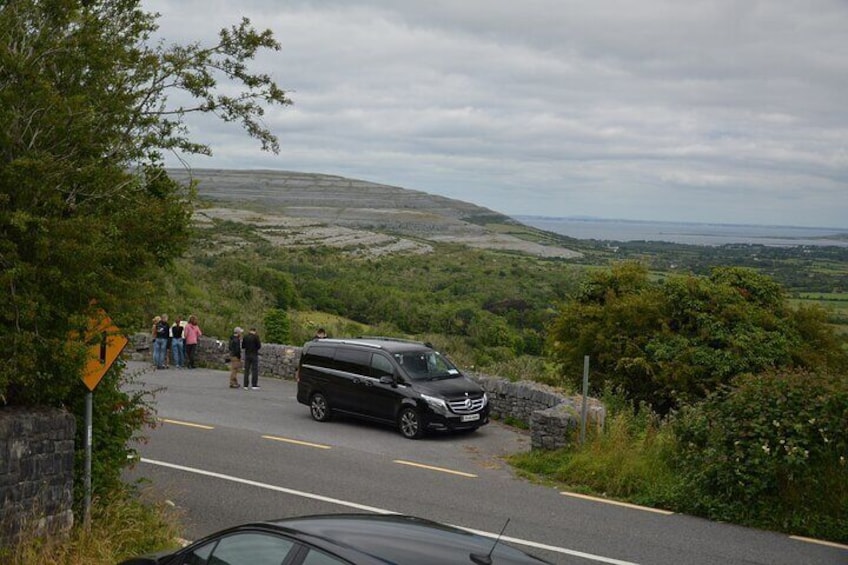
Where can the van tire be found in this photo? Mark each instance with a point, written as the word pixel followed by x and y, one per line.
pixel 319 407
pixel 409 423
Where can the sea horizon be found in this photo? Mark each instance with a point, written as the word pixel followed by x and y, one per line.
pixel 691 233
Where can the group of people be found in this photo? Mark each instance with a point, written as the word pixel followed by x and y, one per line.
pixel 250 344
pixel 177 342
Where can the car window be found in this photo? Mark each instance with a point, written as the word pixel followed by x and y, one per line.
pixel 318 355
pixel 424 365
pixel 315 557
pixel 247 549
pixel 353 361
pixel 199 556
pixel 381 367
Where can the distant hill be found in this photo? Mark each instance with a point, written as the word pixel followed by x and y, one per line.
pixel 310 208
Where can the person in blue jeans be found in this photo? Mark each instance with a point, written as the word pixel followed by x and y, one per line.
pixel 161 331
pixel 177 343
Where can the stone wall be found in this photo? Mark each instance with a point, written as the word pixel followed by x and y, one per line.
pixel 36 471
pixel 552 418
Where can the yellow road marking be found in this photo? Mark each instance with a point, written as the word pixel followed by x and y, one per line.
pixel 431 468
pixel 820 542
pixel 298 442
pixel 189 424
pixel 617 503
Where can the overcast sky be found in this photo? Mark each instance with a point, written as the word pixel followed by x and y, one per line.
pixel 700 111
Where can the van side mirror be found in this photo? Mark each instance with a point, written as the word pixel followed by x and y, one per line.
pixel 387 380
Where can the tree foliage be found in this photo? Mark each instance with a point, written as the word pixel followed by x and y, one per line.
pixel 86 210
pixel 770 450
pixel 277 326
pixel 672 342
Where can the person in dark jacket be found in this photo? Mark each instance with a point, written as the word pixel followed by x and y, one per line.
pixel 251 345
pixel 177 343
pixel 160 346
pixel 235 356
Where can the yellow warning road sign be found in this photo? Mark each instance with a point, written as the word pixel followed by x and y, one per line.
pixel 110 342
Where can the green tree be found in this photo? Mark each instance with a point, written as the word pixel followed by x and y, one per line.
pixel 673 342
pixel 277 326
pixel 86 209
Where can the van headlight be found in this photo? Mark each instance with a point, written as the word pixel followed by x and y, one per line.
pixel 437 404
pixel 485 399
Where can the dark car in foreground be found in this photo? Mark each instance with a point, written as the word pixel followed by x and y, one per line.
pixel 334 539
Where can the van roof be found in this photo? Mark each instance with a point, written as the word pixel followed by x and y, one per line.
pixel 392 345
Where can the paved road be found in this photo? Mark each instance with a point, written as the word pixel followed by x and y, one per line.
pixel 225 456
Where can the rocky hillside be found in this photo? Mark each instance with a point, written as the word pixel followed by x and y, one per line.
pixel 305 209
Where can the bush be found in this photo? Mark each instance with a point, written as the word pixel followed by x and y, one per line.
pixel 669 344
pixel 277 326
pixel 770 451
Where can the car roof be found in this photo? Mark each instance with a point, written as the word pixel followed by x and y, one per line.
pixel 387 344
pixel 401 539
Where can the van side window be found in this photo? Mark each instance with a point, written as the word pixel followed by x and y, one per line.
pixel 381 367
pixel 353 361
pixel 319 356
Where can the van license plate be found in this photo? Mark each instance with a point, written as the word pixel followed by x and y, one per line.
pixel 470 417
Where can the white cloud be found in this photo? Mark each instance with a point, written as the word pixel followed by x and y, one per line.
pixel 712 110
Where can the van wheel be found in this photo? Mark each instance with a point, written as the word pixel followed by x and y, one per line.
pixel 319 407
pixel 409 423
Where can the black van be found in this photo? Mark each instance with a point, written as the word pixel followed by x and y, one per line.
pixel 403 383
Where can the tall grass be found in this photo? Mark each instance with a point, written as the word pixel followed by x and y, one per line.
pixel 120 528
pixel 629 459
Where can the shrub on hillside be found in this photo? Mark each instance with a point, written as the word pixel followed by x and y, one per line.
pixel 769 451
pixel 670 343
pixel 277 326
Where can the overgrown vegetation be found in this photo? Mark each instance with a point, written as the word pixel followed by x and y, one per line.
pixel 768 451
pixel 87 213
pixel 630 459
pixel 121 527
pixel 670 343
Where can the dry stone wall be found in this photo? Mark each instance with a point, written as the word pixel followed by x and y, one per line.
pixel 552 418
pixel 36 471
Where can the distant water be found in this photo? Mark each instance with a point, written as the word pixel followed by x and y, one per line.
pixel 692 234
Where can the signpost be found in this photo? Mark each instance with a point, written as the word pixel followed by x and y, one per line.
pixel 108 343
pixel 583 409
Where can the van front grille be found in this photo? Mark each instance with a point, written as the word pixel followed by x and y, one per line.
pixel 466 405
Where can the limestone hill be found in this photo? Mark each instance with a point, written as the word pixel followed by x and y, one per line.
pixel 292 208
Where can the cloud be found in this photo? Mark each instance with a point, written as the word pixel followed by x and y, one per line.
pixel 718 111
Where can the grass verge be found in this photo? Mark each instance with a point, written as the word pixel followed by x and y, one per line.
pixel 628 461
pixel 121 527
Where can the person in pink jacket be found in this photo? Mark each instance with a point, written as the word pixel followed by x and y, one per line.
pixel 191 334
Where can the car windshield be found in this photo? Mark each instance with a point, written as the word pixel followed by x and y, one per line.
pixel 426 365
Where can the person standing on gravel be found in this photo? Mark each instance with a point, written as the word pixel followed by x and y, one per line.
pixel 177 343
pixel 235 356
pixel 162 331
pixel 192 335
pixel 251 345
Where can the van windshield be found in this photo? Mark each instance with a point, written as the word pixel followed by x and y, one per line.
pixel 426 365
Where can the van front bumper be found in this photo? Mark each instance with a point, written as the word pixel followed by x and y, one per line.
pixel 453 422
